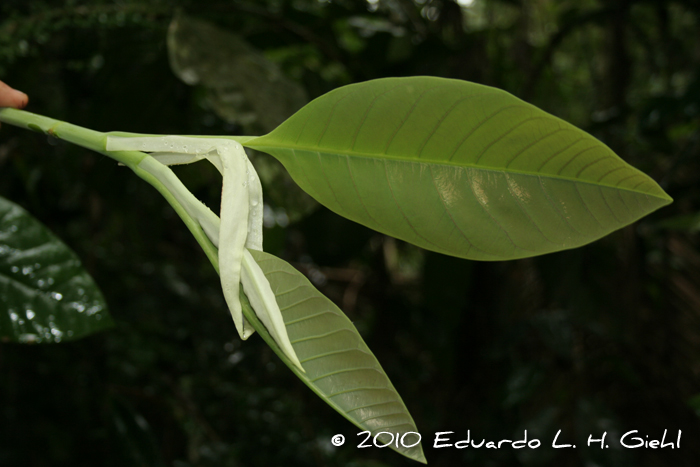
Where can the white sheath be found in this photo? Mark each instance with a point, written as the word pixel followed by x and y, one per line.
pixel 240 226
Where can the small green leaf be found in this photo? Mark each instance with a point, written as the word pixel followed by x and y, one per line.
pixel 45 294
pixel 459 168
pixel 340 368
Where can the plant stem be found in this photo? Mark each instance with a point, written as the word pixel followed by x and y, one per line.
pixel 173 190
pixel 96 141
pixel 84 137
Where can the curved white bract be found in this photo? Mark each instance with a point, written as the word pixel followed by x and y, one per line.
pixel 263 298
pixel 240 226
pixel 255 212
pixel 233 231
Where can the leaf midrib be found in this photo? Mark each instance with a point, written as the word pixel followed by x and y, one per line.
pixel 453 164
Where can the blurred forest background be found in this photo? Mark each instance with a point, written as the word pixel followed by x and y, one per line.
pixel 602 338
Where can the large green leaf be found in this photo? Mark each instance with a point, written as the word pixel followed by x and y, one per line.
pixel 339 366
pixel 45 294
pixel 459 168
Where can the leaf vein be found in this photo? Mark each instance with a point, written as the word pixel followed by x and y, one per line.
pixel 362 388
pixel 406 118
pixel 525 211
pixel 522 151
pixel 390 414
pixel 605 200
pixel 302 301
pixel 561 169
pixel 478 200
pixel 583 201
pixel 610 172
pixel 367 111
pixel 556 208
pixel 481 124
pixel 321 336
pixel 347 370
pixel 376 404
pixel 359 197
pixel 394 426
pixel 500 137
pixel 328 354
pixel 444 117
pixel 578 174
pixel 393 197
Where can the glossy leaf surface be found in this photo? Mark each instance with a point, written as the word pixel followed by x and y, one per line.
pixel 459 168
pixel 45 294
pixel 339 366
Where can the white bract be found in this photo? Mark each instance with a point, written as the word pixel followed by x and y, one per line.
pixel 238 229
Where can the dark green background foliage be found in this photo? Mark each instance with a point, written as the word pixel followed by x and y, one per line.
pixel 602 338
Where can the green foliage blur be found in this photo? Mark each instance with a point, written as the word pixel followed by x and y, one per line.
pixel 602 338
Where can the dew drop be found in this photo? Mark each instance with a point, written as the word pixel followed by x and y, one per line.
pixel 30 314
pixel 14 269
pixel 56 296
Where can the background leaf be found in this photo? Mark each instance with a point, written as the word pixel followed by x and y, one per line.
pixel 339 366
pixel 459 168
pixel 244 88
pixel 45 294
pixel 242 85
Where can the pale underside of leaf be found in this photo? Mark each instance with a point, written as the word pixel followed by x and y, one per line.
pixel 339 366
pixel 459 168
